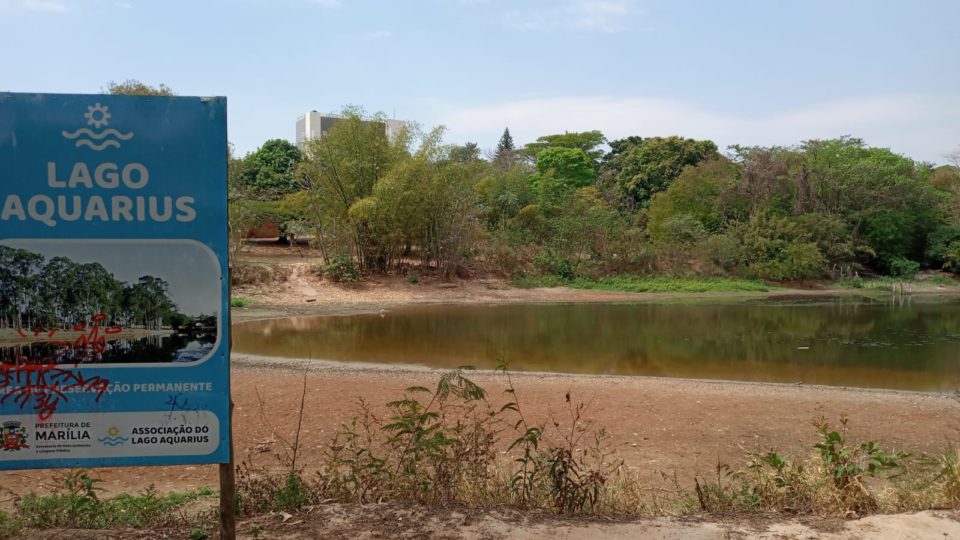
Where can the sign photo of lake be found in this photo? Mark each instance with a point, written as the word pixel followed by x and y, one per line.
pixel 108 301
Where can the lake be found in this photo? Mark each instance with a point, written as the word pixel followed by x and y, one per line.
pixel 910 343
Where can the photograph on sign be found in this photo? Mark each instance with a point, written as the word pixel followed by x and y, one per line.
pixel 107 302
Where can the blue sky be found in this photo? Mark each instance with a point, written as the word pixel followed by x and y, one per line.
pixel 740 72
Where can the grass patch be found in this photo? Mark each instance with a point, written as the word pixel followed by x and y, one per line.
pixel 10 525
pixel 237 302
pixel 892 284
pixel 77 505
pixel 648 284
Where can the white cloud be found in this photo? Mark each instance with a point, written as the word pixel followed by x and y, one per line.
pixel 123 5
pixel 377 35
pixel 589 15
pixel 922 127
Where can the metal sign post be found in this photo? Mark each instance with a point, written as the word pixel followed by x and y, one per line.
pixel 114 284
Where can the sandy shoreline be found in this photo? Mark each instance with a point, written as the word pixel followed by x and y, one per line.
pixel 304 293
pixel 301 365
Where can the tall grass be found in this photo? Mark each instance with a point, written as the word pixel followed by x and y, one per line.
pixel 893 284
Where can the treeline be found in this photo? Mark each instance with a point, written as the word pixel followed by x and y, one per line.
pixel 577 205
pixel 39 293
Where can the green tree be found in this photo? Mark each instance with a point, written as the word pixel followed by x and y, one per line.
pixel 269 170
pixel 503 193
pixel 133 87
pixel 505 156
pixel 341 168
pixel 466 153
pixel 777 247
pixel 18 285
pixel 648 166
pixel 147 302
pixel 505 144
pixel 589 142
pixel 705 193
pixel 571 166
pixel 427 203
pixel 241 218
pixel 886 198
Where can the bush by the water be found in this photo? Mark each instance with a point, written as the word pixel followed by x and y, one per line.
pixel 342 270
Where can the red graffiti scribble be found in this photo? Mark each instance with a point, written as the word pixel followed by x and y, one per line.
pixel 45 386
pixel 88 346
pixel 40 384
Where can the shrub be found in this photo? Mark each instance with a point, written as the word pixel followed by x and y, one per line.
pixel 796 261
pixel 722 251
pixel 903 268
pixel 943 248
pixel 555 266
pixel 846 465
pixel 342 269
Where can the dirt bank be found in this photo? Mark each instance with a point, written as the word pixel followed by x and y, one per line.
pixel 299 290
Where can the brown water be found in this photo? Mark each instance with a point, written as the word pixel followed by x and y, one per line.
pixel 911 343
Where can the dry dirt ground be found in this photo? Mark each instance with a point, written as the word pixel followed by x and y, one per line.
pixel 385 521
pixel 658 426
pixel 662 428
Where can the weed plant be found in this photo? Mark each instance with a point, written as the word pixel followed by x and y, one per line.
pixel 76 503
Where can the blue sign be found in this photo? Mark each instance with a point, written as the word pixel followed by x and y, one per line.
pixel 114 344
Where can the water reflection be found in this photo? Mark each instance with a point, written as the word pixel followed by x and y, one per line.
pixel 906 344
pixel 185 347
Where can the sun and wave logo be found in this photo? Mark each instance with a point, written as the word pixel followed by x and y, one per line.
pixel 97 116
pixel 113 437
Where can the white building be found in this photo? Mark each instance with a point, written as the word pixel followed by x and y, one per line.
pixel 313 125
